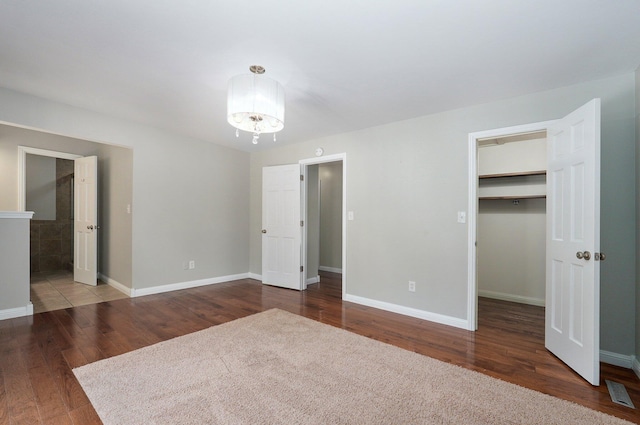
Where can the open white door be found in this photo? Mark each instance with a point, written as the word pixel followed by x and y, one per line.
pixel 281 231
pixel 572 322
pixel 85 263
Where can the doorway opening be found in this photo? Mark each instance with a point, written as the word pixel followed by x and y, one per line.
pixel 507 216
pixel 49 194
pixel 512 214
pixel 511 232
pixel 47 184
pixel 324 212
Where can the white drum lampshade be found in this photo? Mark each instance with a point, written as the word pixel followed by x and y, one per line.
pixel 255 103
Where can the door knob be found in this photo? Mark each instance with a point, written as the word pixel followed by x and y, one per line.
pixel 90 227
pixel 264 230
pixel 586 255
pixel 599 256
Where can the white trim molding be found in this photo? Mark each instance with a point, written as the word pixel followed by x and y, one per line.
pixel 321 160
pixel 472 214
pixel 312 280
pixel 513 298
pixel 186 285
pixel 115 284
pixel 330 269
pixel 616 359
pixel 636 366
pixel 408 311
pixel 16 214
pixel 255 276
pixel 12 313
pixel 22 168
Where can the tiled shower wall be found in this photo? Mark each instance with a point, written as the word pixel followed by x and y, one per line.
pixel 52 240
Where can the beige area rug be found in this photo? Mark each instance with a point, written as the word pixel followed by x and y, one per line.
pixel 279 368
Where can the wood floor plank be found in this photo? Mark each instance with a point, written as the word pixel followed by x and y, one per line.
pixel 20 396
pixel 85 415
pixel 45 390
pixel 4 405
pixel 508 345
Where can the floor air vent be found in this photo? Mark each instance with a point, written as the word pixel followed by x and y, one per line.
pixel 619 394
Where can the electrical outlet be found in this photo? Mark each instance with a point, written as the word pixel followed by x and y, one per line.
pixel 192 265
pixel 412 286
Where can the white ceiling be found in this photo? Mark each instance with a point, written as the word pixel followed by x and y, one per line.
pixel 344 64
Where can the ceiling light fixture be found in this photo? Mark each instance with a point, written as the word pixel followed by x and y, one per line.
pixel 255 103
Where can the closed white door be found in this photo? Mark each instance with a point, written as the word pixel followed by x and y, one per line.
pixel 572 323
pixel 85 263
pixel 281 226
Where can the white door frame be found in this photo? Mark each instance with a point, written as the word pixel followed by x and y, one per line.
pixel 322 160
pixel 472 259
pixel 22 168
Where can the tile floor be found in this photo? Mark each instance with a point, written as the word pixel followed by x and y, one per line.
pixel 57 290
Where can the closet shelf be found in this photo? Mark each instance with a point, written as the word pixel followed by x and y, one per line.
pixel 516 174
pixel 493 198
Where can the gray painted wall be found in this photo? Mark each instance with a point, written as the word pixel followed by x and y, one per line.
pixel 313 222
pixel 637 75
pixel 189 197
pixel 331 215
pixel 40 186
pixel 405 224
pixel 115 193
pixel 14 263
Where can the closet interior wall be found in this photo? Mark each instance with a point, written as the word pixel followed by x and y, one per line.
pixel 512 218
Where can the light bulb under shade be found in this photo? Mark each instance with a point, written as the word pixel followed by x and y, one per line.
pixel 255 103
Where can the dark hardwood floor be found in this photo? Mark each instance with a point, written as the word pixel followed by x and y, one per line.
pixel 37 353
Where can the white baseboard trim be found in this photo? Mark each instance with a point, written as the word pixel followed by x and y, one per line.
pixel 186 285
pixel 408 311
pixel 636 366
pixel 330 269
pixel 255 276
pixel 312 280
pixel 115 284
pixel 12 313
pixel 616 359
pixel 513 298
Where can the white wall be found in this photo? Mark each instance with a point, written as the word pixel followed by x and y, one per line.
pixel 407 180
pixel 189 197
pixel 331 215
pixel 40 186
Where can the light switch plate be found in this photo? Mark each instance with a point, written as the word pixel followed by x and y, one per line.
pixel 462 217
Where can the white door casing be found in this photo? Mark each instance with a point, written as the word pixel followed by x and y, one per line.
pixel 572 322
pixel 304 164
pixel 85 263
pixel 281 226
